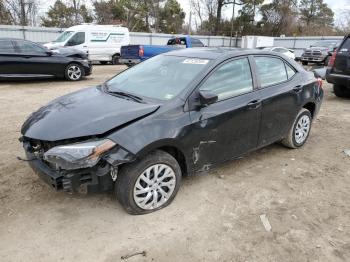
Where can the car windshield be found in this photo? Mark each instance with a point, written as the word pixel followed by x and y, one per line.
pixel 324 44
pixel 64 36
pixel 161 77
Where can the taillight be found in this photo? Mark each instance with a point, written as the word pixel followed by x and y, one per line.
pixel 320 82
pixel 141 51
pixel 332 60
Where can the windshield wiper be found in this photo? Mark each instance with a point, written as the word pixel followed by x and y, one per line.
pixel 128 95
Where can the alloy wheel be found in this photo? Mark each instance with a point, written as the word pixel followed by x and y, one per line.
pixel 154 186
pixel 302 129
pixel 74 72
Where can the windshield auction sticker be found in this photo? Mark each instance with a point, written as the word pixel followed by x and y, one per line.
pixel 195 61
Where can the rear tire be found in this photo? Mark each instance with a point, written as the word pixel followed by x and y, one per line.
pixel 300 131
pixel 149 184
pixel 304 62
pixel 341 91
pixel 103 62
pixel 74 72
pixel 115 59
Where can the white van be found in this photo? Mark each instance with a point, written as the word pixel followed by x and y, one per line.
pixel 101 42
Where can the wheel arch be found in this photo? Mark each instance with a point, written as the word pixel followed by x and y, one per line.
pixel 311 106
pixel 172 147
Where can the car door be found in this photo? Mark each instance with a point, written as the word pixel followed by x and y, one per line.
pixel 35 60
pixel 228 127
pixel 8 58
pixel 279 90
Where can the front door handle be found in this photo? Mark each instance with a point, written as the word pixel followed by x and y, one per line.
pixel 254 104
pixel 298 88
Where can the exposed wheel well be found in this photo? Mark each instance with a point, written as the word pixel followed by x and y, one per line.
pixel 311 107
pixel 178 155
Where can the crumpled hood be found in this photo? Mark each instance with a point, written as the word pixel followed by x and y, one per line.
pixel 84 113
pixel 68 51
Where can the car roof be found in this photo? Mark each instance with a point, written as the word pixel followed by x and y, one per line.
pixel 213 53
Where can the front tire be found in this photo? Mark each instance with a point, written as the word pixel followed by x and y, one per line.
pixel 341 91
pixel 304 63
pixel 103 62
pixel 300 131
pixel 74 72
pixel 149 184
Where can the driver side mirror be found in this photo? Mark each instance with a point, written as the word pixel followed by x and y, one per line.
pixel 207 97
pixel 49 52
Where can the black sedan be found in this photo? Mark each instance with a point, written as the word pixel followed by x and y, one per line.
pixel 178 113
pixel 22 59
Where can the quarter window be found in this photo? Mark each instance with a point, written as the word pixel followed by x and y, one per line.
pixel 290 71
pixel 6 47
pixel 270 70
pixel 231 79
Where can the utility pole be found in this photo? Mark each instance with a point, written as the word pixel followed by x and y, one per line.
pixel 189 23
pixel 232 20
pixel 234 3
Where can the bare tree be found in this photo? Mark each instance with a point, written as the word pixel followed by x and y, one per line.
pixel 22 12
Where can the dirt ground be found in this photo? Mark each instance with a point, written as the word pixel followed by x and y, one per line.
pixel 215 217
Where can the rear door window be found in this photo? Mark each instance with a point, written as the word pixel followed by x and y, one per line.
pixel 29 48
pixel 346 46
pixel 7 47
pixel 271 70
pixel 231 79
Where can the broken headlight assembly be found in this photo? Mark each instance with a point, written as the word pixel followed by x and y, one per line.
pixel 80 155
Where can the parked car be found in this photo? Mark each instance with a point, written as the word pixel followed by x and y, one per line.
pixel 101 42
pixel 177 113
pixel 22 59
pixel 287 52
pixel 134 54
pixel 319 52
pixel 338 71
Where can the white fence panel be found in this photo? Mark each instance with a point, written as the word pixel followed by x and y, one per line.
pixel 45 34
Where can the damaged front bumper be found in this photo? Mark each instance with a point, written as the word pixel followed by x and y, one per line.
pixel 99 178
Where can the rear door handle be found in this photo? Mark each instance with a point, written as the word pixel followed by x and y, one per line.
pixel 298 88
pixel 254 104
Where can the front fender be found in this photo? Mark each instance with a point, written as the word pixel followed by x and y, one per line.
pixel 168 129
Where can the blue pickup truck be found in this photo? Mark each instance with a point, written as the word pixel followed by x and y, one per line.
pixel 134 54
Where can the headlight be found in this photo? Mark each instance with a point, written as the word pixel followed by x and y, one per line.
pixel 80 155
